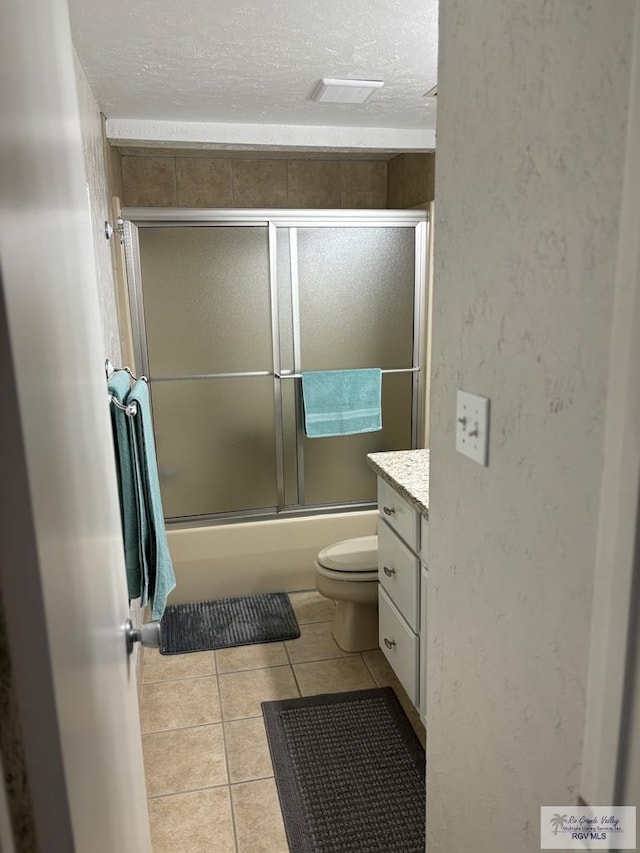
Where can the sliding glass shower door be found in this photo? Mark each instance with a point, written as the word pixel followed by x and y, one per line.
pixel 229 309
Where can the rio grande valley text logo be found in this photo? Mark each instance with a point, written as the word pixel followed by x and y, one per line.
pixel 588 828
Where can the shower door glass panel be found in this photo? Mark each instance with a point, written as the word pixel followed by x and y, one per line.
pixel 356 294
pixel 216 445
pixel 206 299
pixel 335 469
pixel 356 290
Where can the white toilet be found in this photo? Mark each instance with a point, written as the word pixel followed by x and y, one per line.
pixel 347 573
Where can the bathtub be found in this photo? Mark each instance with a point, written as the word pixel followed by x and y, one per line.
pixel 256 556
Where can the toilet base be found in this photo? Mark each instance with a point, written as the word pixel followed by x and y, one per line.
pixel 355 626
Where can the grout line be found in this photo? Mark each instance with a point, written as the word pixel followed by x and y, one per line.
pixel 293 673
pixel 183 678
pixel 186 791
pixel 182 728
pixel 226 764
pixel 249 781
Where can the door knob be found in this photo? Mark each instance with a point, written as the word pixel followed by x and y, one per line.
pixel 148 635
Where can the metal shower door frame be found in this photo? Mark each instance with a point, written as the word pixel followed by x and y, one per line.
pixel 272 219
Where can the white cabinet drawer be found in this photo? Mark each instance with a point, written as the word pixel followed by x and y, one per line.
pixel 399 573
pixel 398 513
pixel 424 540
pixel 399 644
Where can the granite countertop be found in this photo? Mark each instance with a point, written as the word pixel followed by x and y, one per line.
pixel 407 471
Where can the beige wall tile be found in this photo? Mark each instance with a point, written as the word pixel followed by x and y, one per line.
pixel 315 643
pixel 410 180
pixel 333 676
pixel 178 704
pixel 247 750
pixel 416 179
pixel 149 181
pixel 314 183
pixel 310 606
pixel 395 182
pixel 242 692
pixel 259 826
pixel 256 656
pixel 364 184
pixel 184 760
pixel 199 822
pixel 203 182
pixel 157 667
pixel 259 183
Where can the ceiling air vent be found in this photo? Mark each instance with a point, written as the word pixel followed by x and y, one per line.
pixel 345 91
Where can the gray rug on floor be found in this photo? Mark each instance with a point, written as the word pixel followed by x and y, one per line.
pixel 204 625
pixel 350 773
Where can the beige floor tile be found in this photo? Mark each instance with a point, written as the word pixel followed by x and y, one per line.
pixel 310 606
pixel 315 643
pixel 384 676
pixel 380 668
pixel 198 822
pixel 247 750
pixel 242 692
pixel 178 704
pixel 256 656
pixel 184 760
pixel 157 667
pixel 259 826
pixel 333 676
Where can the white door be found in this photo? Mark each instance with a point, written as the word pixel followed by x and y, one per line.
pixel 63 582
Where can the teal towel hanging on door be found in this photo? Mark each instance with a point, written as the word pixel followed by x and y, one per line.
pixel 342 402
pixel 161 577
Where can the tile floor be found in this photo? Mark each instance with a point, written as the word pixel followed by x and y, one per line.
pixel 209 776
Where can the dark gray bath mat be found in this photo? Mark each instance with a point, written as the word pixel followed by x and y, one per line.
pixel 202 625
pixel 349 771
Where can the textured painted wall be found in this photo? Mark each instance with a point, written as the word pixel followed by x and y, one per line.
pixel 96 167
pixel 527 208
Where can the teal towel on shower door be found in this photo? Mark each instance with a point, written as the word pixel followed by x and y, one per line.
pixel 342 402
pixel 161 577
pixel 118 386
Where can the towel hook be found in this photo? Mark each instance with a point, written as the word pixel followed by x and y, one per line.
pixel 109 369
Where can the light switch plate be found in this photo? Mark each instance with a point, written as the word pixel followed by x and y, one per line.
pixel 472 426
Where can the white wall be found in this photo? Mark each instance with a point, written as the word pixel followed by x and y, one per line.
pixel 532 107
pixel 93 145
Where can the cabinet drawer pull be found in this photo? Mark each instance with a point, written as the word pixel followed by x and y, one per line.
pixel 388 510
pixel 388 572
pixel 389 643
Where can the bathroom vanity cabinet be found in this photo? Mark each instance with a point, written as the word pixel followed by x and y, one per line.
pixel 403 535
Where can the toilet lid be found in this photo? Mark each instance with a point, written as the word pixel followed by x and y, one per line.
pixel 351 555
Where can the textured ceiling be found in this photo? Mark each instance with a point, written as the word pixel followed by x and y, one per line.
pixel 258 62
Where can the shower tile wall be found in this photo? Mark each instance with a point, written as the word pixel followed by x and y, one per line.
pixel 166 181
pixel 199 181
pixel 411 180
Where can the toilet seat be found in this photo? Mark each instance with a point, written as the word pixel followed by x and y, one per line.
pixel 350 560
